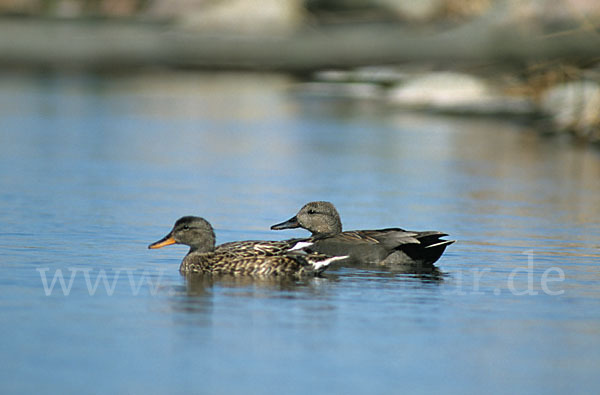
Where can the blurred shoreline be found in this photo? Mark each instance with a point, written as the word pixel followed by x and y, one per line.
pixel 486 65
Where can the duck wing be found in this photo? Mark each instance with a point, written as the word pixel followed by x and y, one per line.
pixel 253 248
pixel 389 238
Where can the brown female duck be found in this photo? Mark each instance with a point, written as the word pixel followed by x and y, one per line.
pixel 391 245
pixel 259 258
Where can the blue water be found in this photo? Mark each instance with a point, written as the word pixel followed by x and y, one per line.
pixel 94 168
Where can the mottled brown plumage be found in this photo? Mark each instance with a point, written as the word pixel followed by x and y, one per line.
pixel 256 258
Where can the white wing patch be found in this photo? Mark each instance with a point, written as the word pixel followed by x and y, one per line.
pixel 326 262
pixel 301 245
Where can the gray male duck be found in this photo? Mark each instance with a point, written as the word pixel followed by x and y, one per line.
pixel 383 246
pixel 255 258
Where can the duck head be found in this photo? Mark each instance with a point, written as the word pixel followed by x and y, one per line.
pixel 320 218
pixel 195 232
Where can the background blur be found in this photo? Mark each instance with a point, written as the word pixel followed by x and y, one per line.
pixel 518 58
pixel 479 119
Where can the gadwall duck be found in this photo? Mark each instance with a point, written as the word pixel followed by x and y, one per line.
pixel 386 246
pixel 259 258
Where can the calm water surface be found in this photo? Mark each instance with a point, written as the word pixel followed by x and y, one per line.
pixel 95 168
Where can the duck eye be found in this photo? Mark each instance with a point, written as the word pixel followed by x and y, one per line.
pixel 186 227
pixel 312 211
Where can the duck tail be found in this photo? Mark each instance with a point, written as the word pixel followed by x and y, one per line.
pixel 441 243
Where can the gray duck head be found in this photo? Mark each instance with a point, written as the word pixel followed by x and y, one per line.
pixel 320 218
pixel 195 232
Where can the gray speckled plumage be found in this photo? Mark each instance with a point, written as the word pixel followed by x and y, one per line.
pixel 386 246
pixel 256 258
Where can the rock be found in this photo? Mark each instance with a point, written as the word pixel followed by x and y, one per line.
pixel 414 10
pixel 574 106
pixel 457 93
pixel 234 16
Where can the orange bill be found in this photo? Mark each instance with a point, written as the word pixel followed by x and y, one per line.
pixel 165 241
